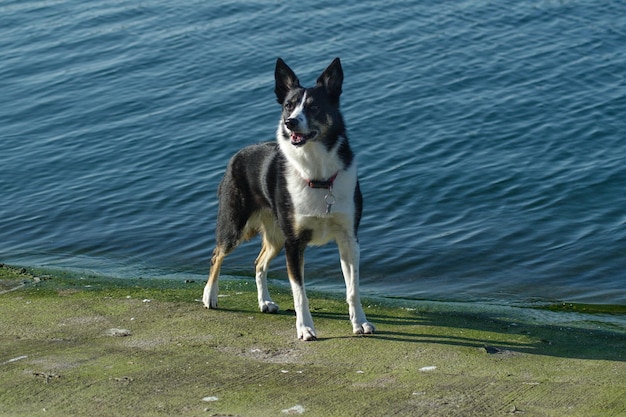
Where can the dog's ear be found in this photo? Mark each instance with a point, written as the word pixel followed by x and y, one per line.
pixel 285 80
pixel 332 79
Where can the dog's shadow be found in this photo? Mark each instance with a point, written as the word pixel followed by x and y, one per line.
pixel 494 336
pixel 481 331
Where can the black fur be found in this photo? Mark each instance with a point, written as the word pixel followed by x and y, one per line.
pixel 255 186
pixel 254 180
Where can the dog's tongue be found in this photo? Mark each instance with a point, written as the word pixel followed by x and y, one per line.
pixel 296 137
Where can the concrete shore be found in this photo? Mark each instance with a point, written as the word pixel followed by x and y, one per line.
pixel 73 344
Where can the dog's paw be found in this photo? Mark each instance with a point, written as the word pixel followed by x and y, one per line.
pixel 364 328
pixel 307 334
pixel 268 307
pixel 210 304
pixel 208 299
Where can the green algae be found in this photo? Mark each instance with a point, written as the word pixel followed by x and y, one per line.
pixel 177 358
pixel 586 308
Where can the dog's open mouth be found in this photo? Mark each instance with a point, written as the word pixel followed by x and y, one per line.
pixel 299 139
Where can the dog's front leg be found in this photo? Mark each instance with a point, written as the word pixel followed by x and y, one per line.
pixel 294 252
pixel 349 253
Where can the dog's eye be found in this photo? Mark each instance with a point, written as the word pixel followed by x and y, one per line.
pixel 289 105
pixel 314 109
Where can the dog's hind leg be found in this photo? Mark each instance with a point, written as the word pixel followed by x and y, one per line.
pixel 231 228
pixel 349 254
pixel 225 244
pixel 268 252
pixel 211 289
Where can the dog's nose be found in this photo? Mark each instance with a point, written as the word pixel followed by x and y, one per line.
pixel 291 123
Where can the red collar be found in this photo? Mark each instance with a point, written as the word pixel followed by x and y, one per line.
pixel 328 184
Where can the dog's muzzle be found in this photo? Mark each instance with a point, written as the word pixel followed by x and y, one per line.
pixel 298 138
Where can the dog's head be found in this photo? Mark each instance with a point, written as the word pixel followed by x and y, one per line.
pixel 310 114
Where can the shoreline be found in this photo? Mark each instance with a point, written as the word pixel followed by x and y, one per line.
pixel 609 317
pixel 330 280
pixel 75 344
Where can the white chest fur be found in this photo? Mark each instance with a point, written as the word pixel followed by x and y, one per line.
pixel 311 204
pixel 312 211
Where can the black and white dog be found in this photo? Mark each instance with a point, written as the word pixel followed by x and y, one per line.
pixel 300 190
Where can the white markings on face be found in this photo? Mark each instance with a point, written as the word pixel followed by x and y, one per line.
pixel 298 114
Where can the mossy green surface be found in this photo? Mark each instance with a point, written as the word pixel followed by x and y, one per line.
pixel 86 345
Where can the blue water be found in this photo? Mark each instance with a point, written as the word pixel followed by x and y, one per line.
pixel 490 137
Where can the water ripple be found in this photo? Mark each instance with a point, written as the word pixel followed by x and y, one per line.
pixel 489 137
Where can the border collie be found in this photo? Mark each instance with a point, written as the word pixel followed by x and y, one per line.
pixel 300 190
